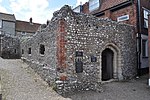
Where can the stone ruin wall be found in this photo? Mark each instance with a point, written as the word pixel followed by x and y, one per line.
pixel 10 47
pixel 69 32
pixel 44 65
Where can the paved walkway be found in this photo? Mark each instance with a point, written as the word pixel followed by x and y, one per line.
pixel 21 83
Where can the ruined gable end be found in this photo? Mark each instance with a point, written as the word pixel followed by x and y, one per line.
pixel 82 51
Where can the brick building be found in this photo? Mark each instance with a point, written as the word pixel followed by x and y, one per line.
pixel 133 12
pixel 26 29
pixel 80 51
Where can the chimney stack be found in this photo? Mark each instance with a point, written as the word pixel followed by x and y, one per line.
pixel 31 20
pixel 47 22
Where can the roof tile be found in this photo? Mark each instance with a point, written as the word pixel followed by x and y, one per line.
pixel 26 26
pixel 7 17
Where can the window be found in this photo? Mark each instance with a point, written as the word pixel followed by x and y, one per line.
pixel 22 51
pixel 78 65
pixel 29 51
pixel 79 54
pixel 93 59
pixel 123 18
pixel 42 49
pixel 23 33
pixel 146 12
pixel 15 51
pixel 93 5
pixel 0 23
pixel 144 48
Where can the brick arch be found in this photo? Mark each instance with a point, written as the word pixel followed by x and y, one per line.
pixel 117 71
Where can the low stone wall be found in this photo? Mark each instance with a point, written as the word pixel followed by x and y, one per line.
pixel 10 47
pixel 47 74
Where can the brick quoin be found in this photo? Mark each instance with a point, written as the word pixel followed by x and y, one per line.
pixel 61 42
pixel 86 8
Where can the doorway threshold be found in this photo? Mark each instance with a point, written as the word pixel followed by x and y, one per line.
pixel 109 81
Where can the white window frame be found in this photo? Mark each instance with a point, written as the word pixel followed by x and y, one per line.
pixel 145 37
pixel 145 14
pixel 93 5
pixel 1 23
pixel 126 17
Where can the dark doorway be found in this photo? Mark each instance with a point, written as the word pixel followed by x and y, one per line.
pixel 107 64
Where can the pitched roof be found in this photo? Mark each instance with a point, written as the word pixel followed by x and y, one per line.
pixel 24 26
pixel 7 17
pixel 106 4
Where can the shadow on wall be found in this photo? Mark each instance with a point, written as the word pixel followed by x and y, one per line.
pixel 10 55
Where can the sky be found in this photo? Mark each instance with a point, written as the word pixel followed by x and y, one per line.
pixel 39 10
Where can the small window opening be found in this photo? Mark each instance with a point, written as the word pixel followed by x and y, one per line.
pixel 15 51
pixel 29 51
pixel 78 66
pixel 79 54
pixel 22 51
pixel 42 49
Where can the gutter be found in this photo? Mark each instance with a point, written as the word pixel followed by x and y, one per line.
pixel 138 38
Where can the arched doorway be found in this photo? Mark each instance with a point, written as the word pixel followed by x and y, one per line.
pixel 107 64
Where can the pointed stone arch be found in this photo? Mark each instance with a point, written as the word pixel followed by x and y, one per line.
pixel 117 66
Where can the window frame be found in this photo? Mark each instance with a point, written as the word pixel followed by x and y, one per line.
pixel 1 24
pixel 145 18
pixel 144 48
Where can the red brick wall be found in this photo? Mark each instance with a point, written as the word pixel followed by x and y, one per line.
pixel 108 13
pixel 129 10
pixel 61 42
pixel 85 8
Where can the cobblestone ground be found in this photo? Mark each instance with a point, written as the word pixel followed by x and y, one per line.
pixel 21 83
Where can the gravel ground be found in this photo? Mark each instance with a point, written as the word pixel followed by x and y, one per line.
pixel 136 89
pixel 21 83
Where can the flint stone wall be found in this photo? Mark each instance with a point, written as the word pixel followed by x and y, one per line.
pixel 9 47
pixel 69 32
